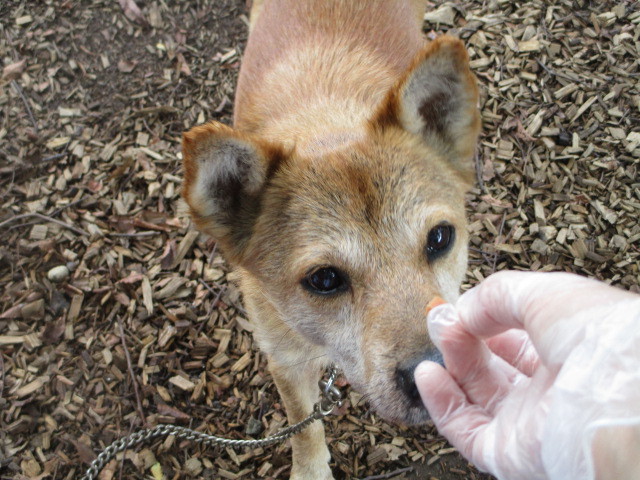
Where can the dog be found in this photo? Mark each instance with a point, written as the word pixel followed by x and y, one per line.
pixel 338 196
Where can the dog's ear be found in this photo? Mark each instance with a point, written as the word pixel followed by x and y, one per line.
pixel 437 98
pixel 224 175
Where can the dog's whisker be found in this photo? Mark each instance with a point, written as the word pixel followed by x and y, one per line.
pixel 364 398
pixel 305 361
pixel 282 338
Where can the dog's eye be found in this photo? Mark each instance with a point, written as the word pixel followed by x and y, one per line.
pixel 439 240
pixel 325 281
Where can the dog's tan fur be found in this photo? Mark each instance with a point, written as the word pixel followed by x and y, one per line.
pixel 352 139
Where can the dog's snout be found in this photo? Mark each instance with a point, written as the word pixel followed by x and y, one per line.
pixel 434 355
pixel 405 379
pixel 407 384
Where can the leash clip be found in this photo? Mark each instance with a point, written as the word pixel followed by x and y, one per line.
pixel 331 394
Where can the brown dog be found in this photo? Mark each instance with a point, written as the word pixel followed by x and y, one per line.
pixel 339 196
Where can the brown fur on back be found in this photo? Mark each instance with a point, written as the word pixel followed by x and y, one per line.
pixel 358 49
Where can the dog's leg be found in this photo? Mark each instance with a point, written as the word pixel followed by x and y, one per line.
pixel 298 387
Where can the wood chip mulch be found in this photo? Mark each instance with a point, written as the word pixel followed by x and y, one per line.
pixel 115 313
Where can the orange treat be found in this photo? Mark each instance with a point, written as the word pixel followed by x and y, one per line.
pixel 435 302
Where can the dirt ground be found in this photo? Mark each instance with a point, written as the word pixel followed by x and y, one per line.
pixel 115 314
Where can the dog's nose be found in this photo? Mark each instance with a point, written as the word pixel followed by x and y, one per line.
pixel 405 379
pixel 407 384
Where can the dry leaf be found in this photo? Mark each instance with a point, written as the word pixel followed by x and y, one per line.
pixel 156 472
pixel 30 467
pixel 393 451
pixel 488 172
pixel 168 255
pixel 94 185
pixel 183 66
pixel 53 331
pixel 14 70
pixel 132 11
pixel 155 17
pixel 165 409
pixel 133 277
pixel 122 298
pixel 126 66
pixel 85 453
pixel 109 470
pixel 13 312
pixel 444 15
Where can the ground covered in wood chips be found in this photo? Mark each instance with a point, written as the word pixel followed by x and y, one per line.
pixel 115 313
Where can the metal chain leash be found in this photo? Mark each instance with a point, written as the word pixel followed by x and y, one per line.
pixel 331 397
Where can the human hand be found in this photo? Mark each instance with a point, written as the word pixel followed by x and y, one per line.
pixel 537 363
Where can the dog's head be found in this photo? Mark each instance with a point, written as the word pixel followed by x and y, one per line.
pixel 350 247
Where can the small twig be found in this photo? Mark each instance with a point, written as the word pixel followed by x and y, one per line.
pixel 479 168
pixel 131 374
pixel 217 299
pixel 42 161
pixel 495 255
pixel 17 88
pixel 2 377
pixel 222 288
pixel 52 214
pixel 385 476
pixel 554 73
pixel 213 292
pixel 64 207
pixel 150 233
pixel 14 218
pixel 47 219
pixel 53 157
pixel 121 470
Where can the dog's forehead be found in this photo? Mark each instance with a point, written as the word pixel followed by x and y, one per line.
pixel 362 202
pixel 374 184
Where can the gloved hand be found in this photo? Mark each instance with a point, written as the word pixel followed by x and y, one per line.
pixel 542 370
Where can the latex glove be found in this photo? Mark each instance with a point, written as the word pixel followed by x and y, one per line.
pixel 527 403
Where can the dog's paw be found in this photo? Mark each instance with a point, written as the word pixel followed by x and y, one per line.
pixel 320 471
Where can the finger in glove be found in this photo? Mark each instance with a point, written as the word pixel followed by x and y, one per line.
pixel 485 377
